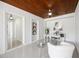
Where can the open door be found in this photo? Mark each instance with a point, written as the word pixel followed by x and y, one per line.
pixel 15 33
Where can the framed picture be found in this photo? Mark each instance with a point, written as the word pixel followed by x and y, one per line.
pixel 34 28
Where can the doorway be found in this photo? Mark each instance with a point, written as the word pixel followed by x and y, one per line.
pixel 15 33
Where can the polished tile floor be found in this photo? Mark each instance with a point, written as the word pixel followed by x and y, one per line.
pixel 14 43
pixel 30 51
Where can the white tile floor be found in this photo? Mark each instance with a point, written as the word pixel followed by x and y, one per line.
pixel 29 51
pixel 14 43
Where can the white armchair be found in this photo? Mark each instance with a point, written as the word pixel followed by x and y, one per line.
pixel 64 50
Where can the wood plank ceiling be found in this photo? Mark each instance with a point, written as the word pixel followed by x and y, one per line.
pixel 41 7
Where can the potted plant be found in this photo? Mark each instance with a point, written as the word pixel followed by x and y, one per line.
pixel 47 31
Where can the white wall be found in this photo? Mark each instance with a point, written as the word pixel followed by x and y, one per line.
pixel 68 24
pixel 77 26
pixel 27 23
pixel 40 27
pixel 2 33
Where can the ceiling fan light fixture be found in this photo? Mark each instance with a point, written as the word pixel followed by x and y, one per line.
pixel 50 13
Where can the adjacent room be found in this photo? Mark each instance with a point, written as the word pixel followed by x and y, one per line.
pixel 39 28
